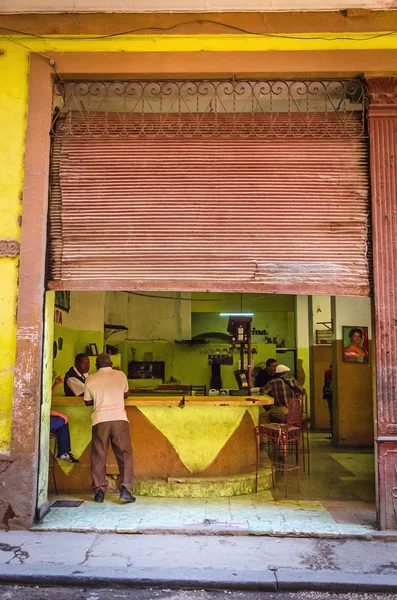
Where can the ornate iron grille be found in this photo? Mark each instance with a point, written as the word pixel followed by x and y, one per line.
pixel 276 109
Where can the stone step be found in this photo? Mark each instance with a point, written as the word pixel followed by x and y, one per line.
pixel 205 487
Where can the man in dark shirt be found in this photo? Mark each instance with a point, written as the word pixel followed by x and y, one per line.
pixel 266 374
pixel 74 379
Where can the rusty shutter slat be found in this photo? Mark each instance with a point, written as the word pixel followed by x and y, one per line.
pixel 259 215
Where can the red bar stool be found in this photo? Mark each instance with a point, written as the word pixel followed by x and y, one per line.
pixel 283 444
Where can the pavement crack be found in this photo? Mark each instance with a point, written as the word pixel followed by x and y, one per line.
pixel 87 555
pixel 19 554
pixel 276 580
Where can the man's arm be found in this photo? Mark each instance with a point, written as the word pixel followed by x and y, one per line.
pixel 298 388
pixel 57 382
pixel 265 389
pixel 88 399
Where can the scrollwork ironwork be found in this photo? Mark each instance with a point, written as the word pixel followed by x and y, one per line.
pixel 133 109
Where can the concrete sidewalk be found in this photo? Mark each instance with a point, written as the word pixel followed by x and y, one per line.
pixel 198 562
pixel 251 514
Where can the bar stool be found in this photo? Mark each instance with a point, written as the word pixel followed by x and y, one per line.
pixel 52 459
pixel 283 442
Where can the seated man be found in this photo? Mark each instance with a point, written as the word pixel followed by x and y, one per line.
pixel 75 378
pixel 59 426
pixel 282 388
pixel 266 374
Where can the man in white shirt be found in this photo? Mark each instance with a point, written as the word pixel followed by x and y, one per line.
pixel 74 379
pixel 106 390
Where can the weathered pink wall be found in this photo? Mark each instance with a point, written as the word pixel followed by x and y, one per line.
pixel 13 6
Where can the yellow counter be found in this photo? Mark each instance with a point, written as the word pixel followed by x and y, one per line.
pixel 178 400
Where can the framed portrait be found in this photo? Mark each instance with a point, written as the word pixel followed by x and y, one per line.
pixel 93 350
pixel 355 343
pixel 62 301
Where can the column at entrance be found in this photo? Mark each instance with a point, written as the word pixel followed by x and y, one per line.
pixel 383 154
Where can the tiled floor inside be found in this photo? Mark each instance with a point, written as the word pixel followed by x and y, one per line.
pixel 336 499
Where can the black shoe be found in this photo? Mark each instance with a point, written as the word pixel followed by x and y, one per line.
pixel 126 496
pixel 68 456
pixel 99 496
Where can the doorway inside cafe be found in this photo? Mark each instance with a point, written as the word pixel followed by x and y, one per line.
pixel 192 420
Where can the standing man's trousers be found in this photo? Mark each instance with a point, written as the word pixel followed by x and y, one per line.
pixel 118 433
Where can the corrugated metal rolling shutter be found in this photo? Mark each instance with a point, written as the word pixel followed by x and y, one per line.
pixel 252 215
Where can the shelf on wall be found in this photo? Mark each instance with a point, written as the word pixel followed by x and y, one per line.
pixel 114 329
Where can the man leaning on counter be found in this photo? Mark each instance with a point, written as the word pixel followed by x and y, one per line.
pixel 74 379
pixel 106 391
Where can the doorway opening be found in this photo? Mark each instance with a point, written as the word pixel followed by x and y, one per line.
pixel 194 465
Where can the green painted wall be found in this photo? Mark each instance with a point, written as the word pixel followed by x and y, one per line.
pixel 81 326
pixel 74 342
pixel 217 302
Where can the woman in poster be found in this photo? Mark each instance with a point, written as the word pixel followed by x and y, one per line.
pixel 355 352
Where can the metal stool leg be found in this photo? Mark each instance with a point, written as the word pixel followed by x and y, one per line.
pixel 257 448
pixel 308 450
pixel 303 449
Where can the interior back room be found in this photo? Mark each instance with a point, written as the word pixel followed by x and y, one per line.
pixel 178 329
pixel 182 330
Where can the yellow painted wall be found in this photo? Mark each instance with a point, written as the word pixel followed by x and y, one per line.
pixel 13 109
pixel 13 106
pixel 210 42
pixel 322 358
pixel 355 400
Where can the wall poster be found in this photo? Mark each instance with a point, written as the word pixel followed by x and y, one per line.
pixel 355 343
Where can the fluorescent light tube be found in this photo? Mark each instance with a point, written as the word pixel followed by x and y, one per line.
pixel 236 314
